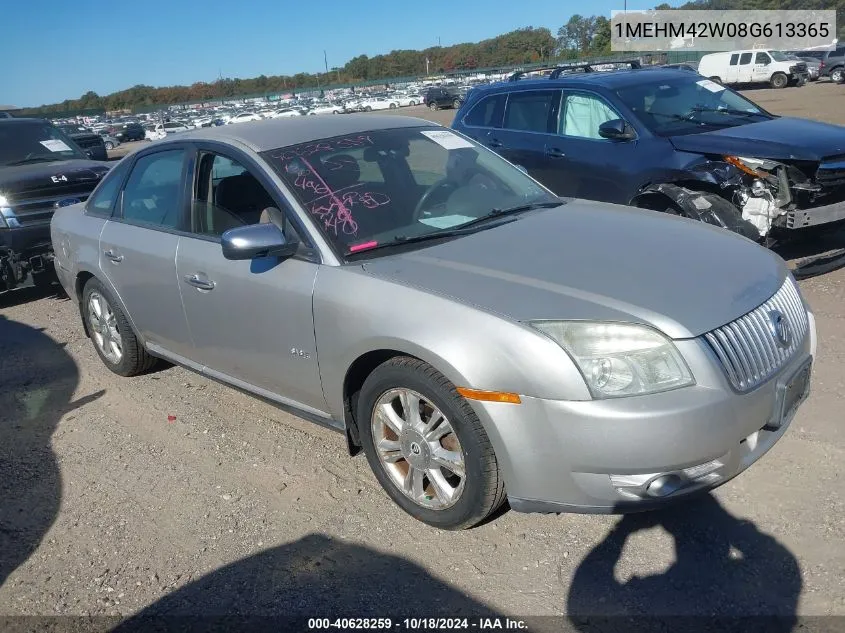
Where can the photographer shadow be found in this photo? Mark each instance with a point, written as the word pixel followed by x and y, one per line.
pixel 724 568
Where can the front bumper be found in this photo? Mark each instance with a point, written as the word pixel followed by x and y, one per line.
pixel 803 218
pixel 599 456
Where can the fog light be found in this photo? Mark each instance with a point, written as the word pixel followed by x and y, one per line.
pixel 663 486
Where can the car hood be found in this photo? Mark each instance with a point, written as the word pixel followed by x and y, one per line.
pixel 782 138
pixel 22 179
pixel 589 260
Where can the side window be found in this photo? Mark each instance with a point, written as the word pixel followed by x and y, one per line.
pixel 152 193
pixel 840 51
pixel 530 111
pixel 744 59
pixel 734 59
pixel 487 112
pixel 582 114
pixel 102 200
pixel 228 196
pixel 762 58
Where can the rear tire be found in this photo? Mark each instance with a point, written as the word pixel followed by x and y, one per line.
pixel 432 106
pixel 114 340
pixel 109 145
pixel 456 104
pixel 778 81
pixel 717 80
pixel 413 103
pixel 449 500
pixel 837 74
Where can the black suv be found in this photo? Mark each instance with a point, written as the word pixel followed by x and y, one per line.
pixel 438 97
pixel 668 140
pixel 128 132
pixel 832 63
pixel 92 144
pixel 41 169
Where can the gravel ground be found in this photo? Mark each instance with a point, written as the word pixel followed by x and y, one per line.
pixel 168 493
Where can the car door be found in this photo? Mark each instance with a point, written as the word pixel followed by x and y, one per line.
pixel 251 321
pixel 732 73
pixel 527 137
pixel 745 69
pixel 588 165
pixel 760 69
pixel 138 248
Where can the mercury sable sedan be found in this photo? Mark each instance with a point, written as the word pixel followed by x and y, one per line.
pixel 478 337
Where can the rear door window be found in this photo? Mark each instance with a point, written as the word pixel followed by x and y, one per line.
pixel 734 59
pixel 531 111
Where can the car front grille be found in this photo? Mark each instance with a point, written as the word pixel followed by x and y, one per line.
pixel 831 172
pixel 37 210
pixel 749 348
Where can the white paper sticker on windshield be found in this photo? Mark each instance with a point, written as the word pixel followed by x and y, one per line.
pixel 446 139
pixel 712 86
pixel 55 145
pixel 446 221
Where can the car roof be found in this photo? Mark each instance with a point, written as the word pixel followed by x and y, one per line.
pixel 274 133
pixel 609 79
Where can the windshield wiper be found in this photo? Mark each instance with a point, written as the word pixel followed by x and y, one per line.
pixel 33 159
pixel 497 212
pixel 726 111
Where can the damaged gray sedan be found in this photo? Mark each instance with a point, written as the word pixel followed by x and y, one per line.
pixel 478 337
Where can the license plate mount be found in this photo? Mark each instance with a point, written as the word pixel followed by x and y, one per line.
pixel 791 394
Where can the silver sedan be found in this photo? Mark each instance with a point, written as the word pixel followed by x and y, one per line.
pixel 479 338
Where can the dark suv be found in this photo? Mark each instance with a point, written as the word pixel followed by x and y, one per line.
pixel 41 169
pixel 128 132
pixel 92 144
pixel 438 97
pixel 668 140
pixel 832 63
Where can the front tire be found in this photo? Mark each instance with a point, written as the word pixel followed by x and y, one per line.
pixel 778 81
pixel 433 106
pixel 109 145
pixel 110 331
pixel 456 104
pixel 837 74
pixel 427 447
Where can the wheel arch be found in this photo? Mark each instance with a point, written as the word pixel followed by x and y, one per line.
pixel 366 362
pixel 83 276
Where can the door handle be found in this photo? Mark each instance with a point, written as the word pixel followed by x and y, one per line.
pixel 554 152
pixel 114 257
pixel 494 142
pixel 198 282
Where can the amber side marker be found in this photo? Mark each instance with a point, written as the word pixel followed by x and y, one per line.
pixel 489 396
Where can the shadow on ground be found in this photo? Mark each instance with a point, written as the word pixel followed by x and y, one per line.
pixel 28 294
pixel 724 567
pixel 316 577
pixel 38 378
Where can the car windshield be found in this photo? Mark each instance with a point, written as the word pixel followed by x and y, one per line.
pixel 778 56
pixel 687 105
pixel 24 142
pixel 404 184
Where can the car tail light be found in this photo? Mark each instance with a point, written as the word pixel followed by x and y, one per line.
pixel 821 65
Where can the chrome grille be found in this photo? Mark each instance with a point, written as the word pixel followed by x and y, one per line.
pixel 748 347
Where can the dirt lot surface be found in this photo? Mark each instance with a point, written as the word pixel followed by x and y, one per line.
pixel 172 494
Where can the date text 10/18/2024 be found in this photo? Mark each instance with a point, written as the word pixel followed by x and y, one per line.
pixel 418 624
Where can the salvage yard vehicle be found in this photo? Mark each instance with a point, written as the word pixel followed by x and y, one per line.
pixel 87 140
pixel 41 169
pixel 754 66
pixel 668 140
pixel 478 337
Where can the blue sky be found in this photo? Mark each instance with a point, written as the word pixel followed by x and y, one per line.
pixel 58 50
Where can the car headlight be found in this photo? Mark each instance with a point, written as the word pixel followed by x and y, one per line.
pixel 8 218
pixel 620 359
pixel 750 165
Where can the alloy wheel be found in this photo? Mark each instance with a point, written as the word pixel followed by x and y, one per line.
pixel 418 448
pixel 103 324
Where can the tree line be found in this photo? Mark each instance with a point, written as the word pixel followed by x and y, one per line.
pixel 581 36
